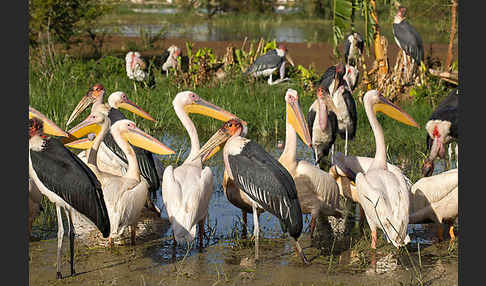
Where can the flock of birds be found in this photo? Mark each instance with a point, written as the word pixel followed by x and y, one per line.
pixel 117 174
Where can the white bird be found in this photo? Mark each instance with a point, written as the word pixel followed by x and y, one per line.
pixel 187 189
pixel 435 199
pixel 384 196
pixel 317 191
pixel 125 196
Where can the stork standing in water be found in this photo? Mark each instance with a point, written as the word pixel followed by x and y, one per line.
pixel 442 129
pixel 110 156
pixel 353 48
pixel 272 60
pixel 187 189
pixel 261 177
pixel 317 191
pixel 124 195
pixel 67 182
pixel 407 38
pixel 383 195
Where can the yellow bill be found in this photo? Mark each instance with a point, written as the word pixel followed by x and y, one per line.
pixel 394 111
pixel 85 127
pixel 296 118
pixel 132 107
pixel 49 127
pixel 82 144
pixel 206 108
pixel 137 137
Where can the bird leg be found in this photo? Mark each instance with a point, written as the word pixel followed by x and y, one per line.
pixel 133 232
pixel 298 249
pixel 270 81
pixel 346 143
pixel 373 239
pixel 457 156
pixel 405 64
pixel 201 233
pixel 174 241
pixel 449 151
pixel 332 154
pixel 256 230
pixel 312 225
pixel 245 223
pixel 451 233
pixel 440 232
pixel 60 235
pixel 71 240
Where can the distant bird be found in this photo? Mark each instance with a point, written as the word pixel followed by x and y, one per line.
pixel 125 195
pixel 323 125
pixel 111 158
pixel 66 181
pixel 382 194
pixel 187 189
pixel 407 38
pixel 139 70
pixel 317 191
pixel 261 177
pixel 269 62
pixel 353 48
pixel 442 129
pixel 170 55
pixel 436 199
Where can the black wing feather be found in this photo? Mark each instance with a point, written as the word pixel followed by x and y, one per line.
pixel 351 106
pixel 65 174
pixel 264 62
pixel 255 167
pixel 447 110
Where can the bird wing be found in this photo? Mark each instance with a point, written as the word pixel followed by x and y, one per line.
pixel 385 203
pixel 327 77
pixel 268 183
pixel 171 192
pixel 323 184
pixel 447 110
pixel 79 186
pixel 353 115
pixel 264 62
pixel 409 40
pixel 435 188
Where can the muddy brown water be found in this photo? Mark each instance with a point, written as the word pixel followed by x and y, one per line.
pixel 228 260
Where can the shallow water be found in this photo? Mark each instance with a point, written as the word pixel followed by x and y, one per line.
pixel 224 259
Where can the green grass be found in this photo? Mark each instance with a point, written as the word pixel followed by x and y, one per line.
pixel 57 92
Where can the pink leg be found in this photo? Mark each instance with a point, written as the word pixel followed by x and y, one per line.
pixel 312 225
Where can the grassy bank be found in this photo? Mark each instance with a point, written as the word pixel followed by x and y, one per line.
pixel 57 91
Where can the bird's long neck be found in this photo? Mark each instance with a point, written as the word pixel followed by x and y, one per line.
pixel 93 152
pixel 191 130
pixel 289 154
pixel 133 171
pixel 380 154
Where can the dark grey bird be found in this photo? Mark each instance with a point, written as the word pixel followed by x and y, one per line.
pixel 264 180
pixel 353 48
pixel 338 75
pixel 407 38
pixel 442 129
pixel 269 62
pixel 68 183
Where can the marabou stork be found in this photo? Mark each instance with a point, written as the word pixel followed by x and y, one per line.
pixel 125 195
pixel 261 177
pixel 435 199
pixel 353 48
pixel 442 129
pixel 383 195
pixel 317 191
pixel 323 131
pixel 66 181
pixel 187 189
pixel 267 63
pixel 111 158
pixel 340 80
pixel 407 38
